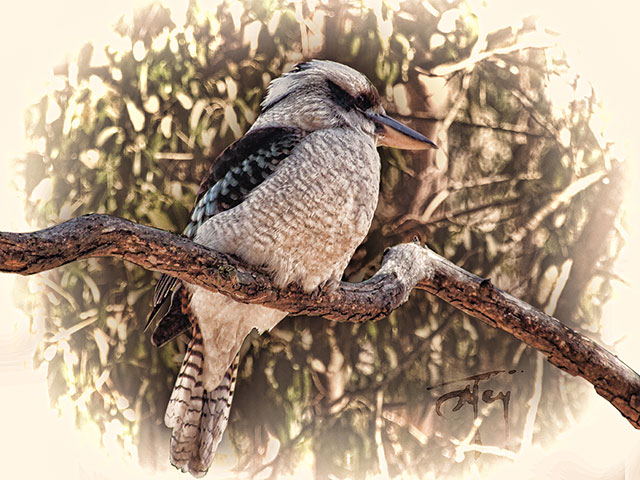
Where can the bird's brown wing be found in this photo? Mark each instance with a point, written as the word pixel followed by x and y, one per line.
pixel 237 171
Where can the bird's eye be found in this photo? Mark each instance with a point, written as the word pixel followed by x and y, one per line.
pixel 363 102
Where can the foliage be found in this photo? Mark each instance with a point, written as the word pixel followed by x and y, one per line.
pixel 506 198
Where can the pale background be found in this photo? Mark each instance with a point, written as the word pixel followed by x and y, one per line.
pixel 601 39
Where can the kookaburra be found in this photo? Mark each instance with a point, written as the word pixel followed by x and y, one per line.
pixel 294 196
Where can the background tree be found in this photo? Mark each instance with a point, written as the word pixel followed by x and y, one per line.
pixel 515 194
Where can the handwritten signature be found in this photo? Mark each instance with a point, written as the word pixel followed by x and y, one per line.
pixel 470 394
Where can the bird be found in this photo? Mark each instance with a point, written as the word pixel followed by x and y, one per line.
pixel 294 196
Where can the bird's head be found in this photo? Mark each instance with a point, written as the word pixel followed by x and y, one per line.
pixel 322 94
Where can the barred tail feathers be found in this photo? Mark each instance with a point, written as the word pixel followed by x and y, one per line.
pixel 185 405
pixel 215 416
pixel 198 417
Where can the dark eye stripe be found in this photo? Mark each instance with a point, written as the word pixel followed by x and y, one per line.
pixel 340 96
pixel 346 101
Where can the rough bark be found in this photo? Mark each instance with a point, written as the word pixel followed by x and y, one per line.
pixel 404 267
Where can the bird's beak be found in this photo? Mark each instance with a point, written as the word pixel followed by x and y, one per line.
pixel 394 134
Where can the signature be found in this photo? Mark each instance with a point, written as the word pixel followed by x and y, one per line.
pixel 470 394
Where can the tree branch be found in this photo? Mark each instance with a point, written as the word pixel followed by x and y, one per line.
pixel 404 267
pixel 448 69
